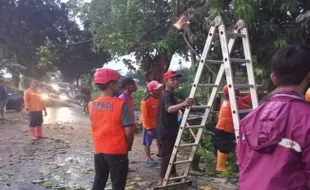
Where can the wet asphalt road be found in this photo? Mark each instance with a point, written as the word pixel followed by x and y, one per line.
pixel 72 114
pixel 64 161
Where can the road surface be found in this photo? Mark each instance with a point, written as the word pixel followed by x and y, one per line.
pixel 65 159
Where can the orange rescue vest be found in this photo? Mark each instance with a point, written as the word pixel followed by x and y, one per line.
pixel 225 120
pixel 107 129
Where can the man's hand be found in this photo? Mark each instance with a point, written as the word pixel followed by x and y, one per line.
pixel 45 113
pixel 129 133
pixel 189 102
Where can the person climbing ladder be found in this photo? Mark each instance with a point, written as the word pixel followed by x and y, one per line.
pixel 224 131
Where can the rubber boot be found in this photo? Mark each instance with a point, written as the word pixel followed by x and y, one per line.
pixel 33 133
pixel 39 132
pixel 221 162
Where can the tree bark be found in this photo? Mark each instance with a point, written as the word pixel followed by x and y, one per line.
pixel 16 79
pixel 157 66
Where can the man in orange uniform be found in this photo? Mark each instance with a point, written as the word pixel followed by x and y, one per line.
pixel 224 132
pixel 35 105
pixel 149 109
pixel 307 96
pixel 113 132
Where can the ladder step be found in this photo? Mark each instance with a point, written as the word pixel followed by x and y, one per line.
pixel 232 34
pixel 214 61
pixel 189 144
pixel 183 162
pixel 194 126
pixel 244 85
pixel 177 178
pixel 236 60
pixel 196 107
pixel 208 85
pixel 174 185
pixel 245 111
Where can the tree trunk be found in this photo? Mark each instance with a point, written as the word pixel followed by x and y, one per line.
pixel 16 79
pixel 157 66
pixel 68 75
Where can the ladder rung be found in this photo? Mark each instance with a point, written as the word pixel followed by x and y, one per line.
pixel 244 85
pixel 200 107
pixel 232 34
pixel 176 178
pixel 189 144
pixel 245 111
pixel 208 85
pixel 182 162
pixel 187 182
pixel 214 61
pixel 194 126
pixel 239 60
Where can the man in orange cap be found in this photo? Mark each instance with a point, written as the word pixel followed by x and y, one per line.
pixel 149 109
pixel 224 132
pixel 113 132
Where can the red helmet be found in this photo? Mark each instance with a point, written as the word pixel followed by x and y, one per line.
pixel 154 85
pixel 225 89
pixel 105 75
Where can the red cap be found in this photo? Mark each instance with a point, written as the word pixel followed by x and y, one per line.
pixel 105 75
pixel 154 85
pixel 171 74
pixel 225 89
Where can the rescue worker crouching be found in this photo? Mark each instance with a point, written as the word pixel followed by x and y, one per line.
pixel 112 130
pixel 224 131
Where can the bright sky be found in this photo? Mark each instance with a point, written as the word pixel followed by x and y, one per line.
pixel 119 65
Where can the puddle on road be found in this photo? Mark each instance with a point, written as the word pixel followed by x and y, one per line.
pixel 63 117
pixel 59 115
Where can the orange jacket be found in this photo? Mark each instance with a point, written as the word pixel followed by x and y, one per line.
pixel 107 129
pixel 225 120
pixel 149 109
pixel 33 100
pixel 307 96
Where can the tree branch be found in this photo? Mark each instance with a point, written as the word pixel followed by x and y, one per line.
pixel 135 44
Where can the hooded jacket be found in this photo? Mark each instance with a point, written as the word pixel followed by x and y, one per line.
pixel 273 152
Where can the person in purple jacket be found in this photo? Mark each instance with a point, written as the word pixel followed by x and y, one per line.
pixel 128 87
pixel 273 150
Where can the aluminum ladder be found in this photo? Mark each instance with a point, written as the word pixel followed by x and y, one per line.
pixel 217 29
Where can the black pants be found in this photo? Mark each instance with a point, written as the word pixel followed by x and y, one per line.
pixel 114 164
pixel 35 118
pixel 85 105
pixel 166 151
pixel 224 141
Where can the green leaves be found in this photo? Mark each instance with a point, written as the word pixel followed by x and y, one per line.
pixel 280 43
pixel 244 9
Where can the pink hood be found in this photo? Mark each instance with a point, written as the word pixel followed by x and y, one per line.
pixel 273 152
